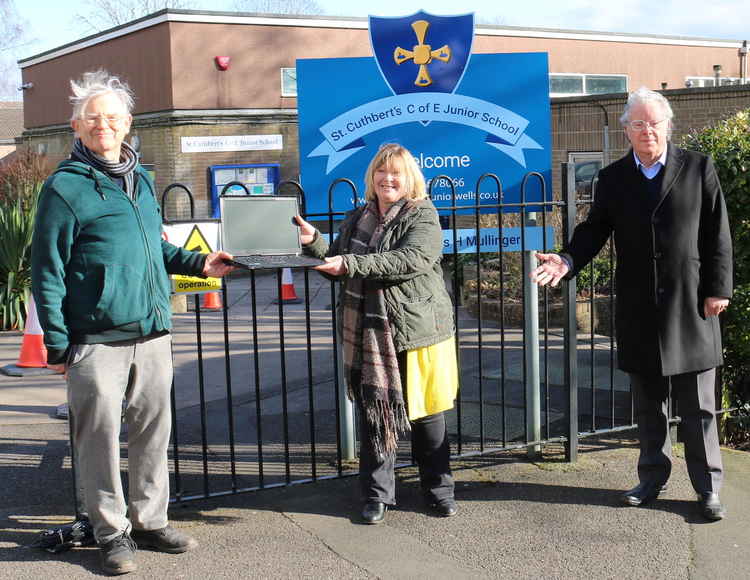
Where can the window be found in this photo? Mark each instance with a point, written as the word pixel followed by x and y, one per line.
pixel 566 85
pixel 587 166
pixel 602 84
pixel 288 82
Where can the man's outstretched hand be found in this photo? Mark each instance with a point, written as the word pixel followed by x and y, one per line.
pixel 551 270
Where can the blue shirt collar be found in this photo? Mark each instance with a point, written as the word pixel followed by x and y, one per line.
pixel 651 172
pixel 662 159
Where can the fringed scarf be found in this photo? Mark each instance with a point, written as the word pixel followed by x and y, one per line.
pixel 370 358
pixel 124 168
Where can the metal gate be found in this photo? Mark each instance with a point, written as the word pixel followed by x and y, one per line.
pixel 259 400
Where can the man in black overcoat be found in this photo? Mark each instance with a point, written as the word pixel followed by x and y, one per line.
pixel 666 210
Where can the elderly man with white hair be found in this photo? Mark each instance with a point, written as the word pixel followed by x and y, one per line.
pixel 666 210
pixel 100 282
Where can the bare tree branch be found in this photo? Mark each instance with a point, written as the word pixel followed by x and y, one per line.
pixel 279 6
pixel 11 26
pixel 102 14
pixel 13 35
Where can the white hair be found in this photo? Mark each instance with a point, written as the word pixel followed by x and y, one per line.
pixel 642 96
pixel 94 84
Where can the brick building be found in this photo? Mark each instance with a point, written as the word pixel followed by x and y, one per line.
pixel 182 92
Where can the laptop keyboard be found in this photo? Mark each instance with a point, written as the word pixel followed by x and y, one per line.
pixel 277 261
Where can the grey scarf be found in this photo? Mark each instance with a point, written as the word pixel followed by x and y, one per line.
pixel 124 168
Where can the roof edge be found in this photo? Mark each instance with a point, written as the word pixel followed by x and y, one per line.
pixel 322 21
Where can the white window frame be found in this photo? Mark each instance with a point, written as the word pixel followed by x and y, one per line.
pixel 284 91
pixel 583 82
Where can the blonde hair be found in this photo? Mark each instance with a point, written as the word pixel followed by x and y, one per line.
pixel 395 156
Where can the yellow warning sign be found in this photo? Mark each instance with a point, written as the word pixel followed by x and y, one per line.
pixel 196 242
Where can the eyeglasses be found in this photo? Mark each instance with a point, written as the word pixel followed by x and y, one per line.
pixel 111 120
pixel 639 125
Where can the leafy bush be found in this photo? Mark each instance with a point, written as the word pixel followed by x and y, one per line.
pixel 598 273
pixel 728 142
pixel 20 182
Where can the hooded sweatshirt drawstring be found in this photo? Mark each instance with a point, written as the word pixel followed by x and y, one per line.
pixel 97 185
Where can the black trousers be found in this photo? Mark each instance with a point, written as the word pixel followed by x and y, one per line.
pixel 430 449
pixel 694 394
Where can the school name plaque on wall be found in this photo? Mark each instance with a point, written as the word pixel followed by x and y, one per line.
pixel 460 114
pixel 208 144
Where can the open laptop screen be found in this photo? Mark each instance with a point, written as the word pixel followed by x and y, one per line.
pixel 257 225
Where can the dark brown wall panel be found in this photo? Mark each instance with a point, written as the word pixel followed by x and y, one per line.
pixel 645 64
pixel 141 58
pixel 258 53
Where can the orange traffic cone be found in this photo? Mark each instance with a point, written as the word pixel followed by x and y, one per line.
pixel 211 301
pixel 32 359
pixel 33 352
pixel 288 295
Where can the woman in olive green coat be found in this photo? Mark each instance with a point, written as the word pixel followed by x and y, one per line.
pixel 397 329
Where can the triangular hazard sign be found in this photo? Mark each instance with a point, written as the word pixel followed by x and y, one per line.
pixel 196 242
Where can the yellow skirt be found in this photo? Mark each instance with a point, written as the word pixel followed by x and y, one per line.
pixel 431 378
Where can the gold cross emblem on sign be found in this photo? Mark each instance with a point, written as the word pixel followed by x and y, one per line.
pixel 422 54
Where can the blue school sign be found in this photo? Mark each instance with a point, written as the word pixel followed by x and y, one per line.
pixel 460 114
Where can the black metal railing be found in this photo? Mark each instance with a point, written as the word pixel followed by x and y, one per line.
pixel 259 398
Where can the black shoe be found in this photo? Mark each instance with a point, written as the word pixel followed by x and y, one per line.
pixel 445 508
pixel 374 512
pixel 166 539
pixel 711 506
pixel 118 555
pixel 643 493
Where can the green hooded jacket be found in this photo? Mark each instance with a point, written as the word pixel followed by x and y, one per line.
pixel 99 264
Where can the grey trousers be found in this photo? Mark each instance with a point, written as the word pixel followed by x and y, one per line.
pixel 100 377
pixel 696 406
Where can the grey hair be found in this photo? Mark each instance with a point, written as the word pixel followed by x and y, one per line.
pixel 642 96
pixel 95 83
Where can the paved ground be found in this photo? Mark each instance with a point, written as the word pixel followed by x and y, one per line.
pixel 517 519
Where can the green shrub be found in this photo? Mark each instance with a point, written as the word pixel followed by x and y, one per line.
pixel 728 142
pixel 20 182
pixel 598 273
pixel 16 227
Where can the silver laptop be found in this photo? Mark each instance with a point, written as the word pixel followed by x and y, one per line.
pixel 260 232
